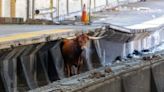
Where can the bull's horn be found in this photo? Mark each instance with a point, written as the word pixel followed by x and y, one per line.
pixel 96 38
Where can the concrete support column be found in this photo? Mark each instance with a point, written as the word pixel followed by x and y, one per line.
pixel 128 48
pixel 144 43
pixel 140 44
pixel 131 46
pixel 149 43
pixel 135 45
pixel 124 50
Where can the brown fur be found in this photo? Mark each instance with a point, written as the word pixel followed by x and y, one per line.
pixel 71 50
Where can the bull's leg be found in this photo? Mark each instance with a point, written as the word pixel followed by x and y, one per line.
pixel 78 69
pixel 71 70
pixel 65 68
pixel 68 70
pixel 80 64
pixel 74 70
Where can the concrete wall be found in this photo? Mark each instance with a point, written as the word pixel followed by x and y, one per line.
pixel 136 81
pixel 136 76
pixel 148 42
pixel 109 51
pixel 112 85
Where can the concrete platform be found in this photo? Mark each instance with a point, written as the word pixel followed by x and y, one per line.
pixel 141 15
pixel 16 35
pixel 133 18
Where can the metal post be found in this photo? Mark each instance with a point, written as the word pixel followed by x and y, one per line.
pixel 27 12
pixel 106 3
pixel 90 11
pixel 67 7
pixel 51 7
pixel 81 5
pixel 33 9
pixel 118 2
pixel 57 8
pixel 94 3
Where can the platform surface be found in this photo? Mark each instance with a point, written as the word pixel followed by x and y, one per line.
pixel 136 16
pixel 141 15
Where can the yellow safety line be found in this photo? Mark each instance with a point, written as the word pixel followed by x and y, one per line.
pixel 32 34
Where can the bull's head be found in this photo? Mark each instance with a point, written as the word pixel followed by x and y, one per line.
pixel 83 39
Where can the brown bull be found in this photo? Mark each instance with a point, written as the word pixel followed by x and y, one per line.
pixel 72 52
